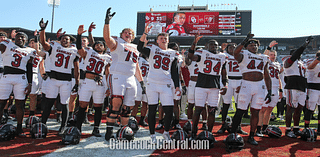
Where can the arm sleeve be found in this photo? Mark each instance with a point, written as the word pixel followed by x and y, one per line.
pixel 29 72
pixel 143 50
pixel 296 54
pixel 175 73
pixel 78 42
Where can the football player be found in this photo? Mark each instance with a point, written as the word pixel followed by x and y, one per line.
pixel 296 85
pixel 162 70
pixel 211 65
pixel 123 70
pixel 274 71
pixel 176 28
pixel 313 90
pixel 95 62
pixel 62 56
pixel 255 79
pixel 17 76
pixel 234 78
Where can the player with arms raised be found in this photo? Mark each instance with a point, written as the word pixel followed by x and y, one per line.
pixel 255 76
pixel 123 69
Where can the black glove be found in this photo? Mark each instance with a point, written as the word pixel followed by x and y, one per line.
pixel 143 87
pixel 45 76
pixel 184 90
pixel 249 36
pixel 109 16
pixel 309 39
pixel 268 97
pixel 74 90
pixel 43 25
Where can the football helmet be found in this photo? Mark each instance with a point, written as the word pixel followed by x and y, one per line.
pixel 125 133
pixel 274 131
pixel 234 142
pixel 31 120
pixel 7 132
pixel 72 121
pixel 39 131
pixel 206 135
pixel 187 127
pixel 71 135
pixel 309 135
pixel 179 136
pixel 133 124
pixel 4 119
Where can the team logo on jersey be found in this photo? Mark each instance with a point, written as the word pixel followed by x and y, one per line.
pixel 23 77
pixel 207 55
pixel 168 85
pixel 263 87
pixel 58 47
pixel 14 47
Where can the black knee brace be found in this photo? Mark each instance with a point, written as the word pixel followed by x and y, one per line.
pixel 111 111
pixel 212 110
pixel 125 111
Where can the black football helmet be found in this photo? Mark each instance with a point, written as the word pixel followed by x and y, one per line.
pixel 72 121
pixel 133 124
pixel 39 131
pixel 274 131
pixel 4 119
pixel 234 142
pixel 31 120
pixel 206 135
pixel 309 135
pixel 179 136
pixel 187 127
pixel 12 109
pixel 7 132
pixel 71 135
pixel 125 133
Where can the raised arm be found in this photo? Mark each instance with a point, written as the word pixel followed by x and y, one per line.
pixel 46 46
pixel 141 45
pixel 314 63
pixel 272 43
pixel 191 55
pixel 91 39
pixel 111 43
pixel 236 52
pixel 297 53
pixel 81 50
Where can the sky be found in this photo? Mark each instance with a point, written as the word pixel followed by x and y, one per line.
pixel 270 18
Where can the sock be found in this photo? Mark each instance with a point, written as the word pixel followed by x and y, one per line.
pixel 306 125
pixel 251 133
pixel 264 127
pixel 70 114
pixel 168 111
pixel 80 117
pixel 258 128
pixel 47 109
pixel 65 112
pixel 97 116
pixel 142 119
pixel 5 111
pixel 19 128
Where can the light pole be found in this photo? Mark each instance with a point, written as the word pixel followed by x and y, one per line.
pixel 53 3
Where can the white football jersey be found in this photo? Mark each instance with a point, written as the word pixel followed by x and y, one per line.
pixel 160 64
pixel 124 58
pixel 313 75
pixel 296 69
pixel 47 62
pixel 35 62
pixel 274 71
pixel 144 67
pixel 253 62
pixel 95 62
pixel 15 56
pixel 210 63
pixel 193 69
pixel 1 61
pixel 62 58
pixel 232 66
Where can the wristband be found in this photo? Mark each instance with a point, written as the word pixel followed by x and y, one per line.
pixel 145 33
pixel 280 90
pixel 269 48
pixel 181 81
